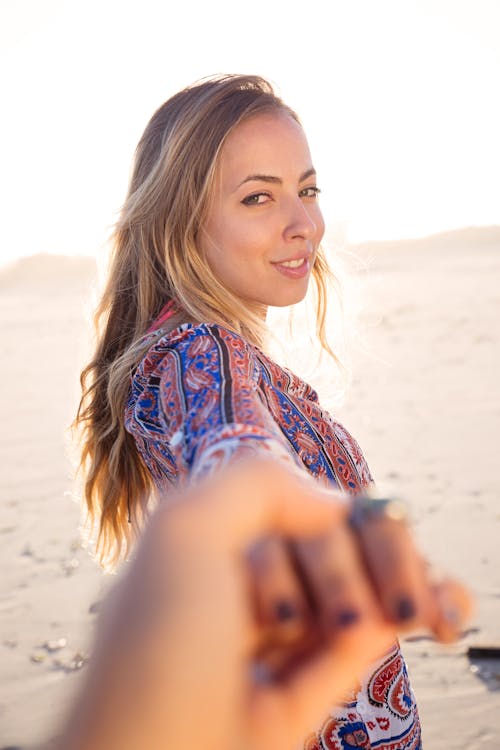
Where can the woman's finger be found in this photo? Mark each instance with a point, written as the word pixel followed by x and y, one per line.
pixel 332 569
pixel 397 570
pixel 401 577
pixel 453 608
pixel 286 628
pixel 280 607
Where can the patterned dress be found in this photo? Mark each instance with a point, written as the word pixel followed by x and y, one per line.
pixel 201 395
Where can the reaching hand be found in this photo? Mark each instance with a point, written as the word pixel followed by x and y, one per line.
pixel 251 606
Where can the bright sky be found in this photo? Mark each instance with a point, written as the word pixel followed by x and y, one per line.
pixel 399 98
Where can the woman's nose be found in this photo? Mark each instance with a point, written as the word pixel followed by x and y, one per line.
pixel 300 221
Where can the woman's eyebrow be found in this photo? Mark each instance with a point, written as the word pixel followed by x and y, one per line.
pixel 275 180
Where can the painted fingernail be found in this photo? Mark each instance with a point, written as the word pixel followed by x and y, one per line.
pixel 404 609
pixel 285 611
pixel 451 615
pixel 261 673
pixel 346 617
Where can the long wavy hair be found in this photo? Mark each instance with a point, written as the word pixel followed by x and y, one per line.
pixel 155 259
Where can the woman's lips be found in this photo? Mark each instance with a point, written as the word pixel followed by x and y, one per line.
pixel 294 269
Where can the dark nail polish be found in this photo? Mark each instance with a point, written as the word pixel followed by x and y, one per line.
pixel 452 616
pixel 346 617
pixel 261 673
pixel 405 609
pixel 285 611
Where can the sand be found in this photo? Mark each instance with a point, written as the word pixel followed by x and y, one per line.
pixel 423 403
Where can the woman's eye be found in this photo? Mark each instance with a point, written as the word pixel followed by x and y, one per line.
pixel 256 199
pixel 310 192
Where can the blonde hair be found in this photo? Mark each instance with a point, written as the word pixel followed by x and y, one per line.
pixel 155 258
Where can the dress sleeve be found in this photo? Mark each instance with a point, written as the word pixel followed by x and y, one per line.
pixel 210 400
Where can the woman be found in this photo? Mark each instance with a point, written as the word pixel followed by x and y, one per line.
pixel 222 221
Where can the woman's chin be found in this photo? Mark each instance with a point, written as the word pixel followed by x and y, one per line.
pixel 289 300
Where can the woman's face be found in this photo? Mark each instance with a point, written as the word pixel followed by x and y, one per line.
pixel 264 223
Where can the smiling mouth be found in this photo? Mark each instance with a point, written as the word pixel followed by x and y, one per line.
pixel 293 263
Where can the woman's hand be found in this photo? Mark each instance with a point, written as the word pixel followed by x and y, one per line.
pixel 194 651
pixel 309 591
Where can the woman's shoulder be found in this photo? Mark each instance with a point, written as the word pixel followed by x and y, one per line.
pixel 193 344
pixel 207 333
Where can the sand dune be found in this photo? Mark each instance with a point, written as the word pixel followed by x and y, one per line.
pixel 424 404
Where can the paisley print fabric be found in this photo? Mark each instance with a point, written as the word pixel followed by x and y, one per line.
pixel 203 396
pixel 380 713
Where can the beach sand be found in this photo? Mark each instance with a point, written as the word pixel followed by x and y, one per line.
pixel 424 405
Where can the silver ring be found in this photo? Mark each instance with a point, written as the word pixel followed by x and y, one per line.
pixel 366 508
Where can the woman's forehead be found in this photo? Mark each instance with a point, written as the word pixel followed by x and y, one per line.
pixel 270 143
